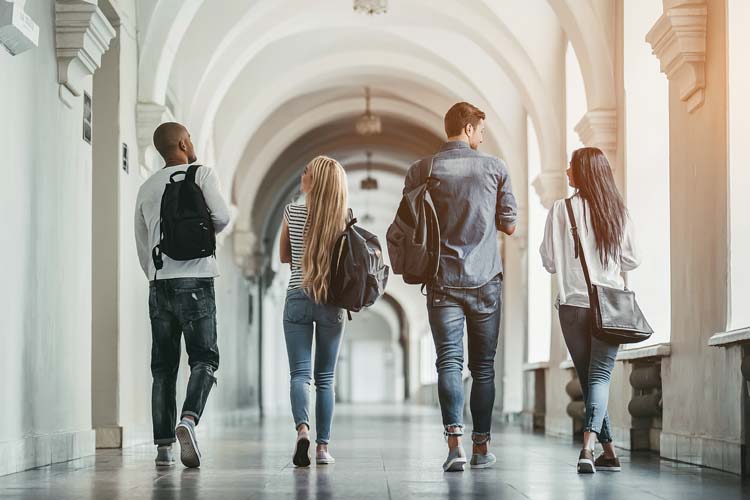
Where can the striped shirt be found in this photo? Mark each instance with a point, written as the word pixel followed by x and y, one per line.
pixel 296 218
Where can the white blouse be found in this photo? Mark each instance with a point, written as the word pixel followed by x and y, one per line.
pixel 558 254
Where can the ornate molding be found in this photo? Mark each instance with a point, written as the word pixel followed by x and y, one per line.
pixel 82 35
pixel 598 129
pixel 678 39
pixel 550 187
pixel 149 115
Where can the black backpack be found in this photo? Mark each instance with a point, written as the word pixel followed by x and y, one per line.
pixel 414 236
pixel 187 231
pixel 358 274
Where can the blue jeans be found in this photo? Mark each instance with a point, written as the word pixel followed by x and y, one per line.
pixel 300 314
pixel 593 360
pixel 181 306
pixel 479 308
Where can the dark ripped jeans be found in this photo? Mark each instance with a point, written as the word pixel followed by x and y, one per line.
pixel 479 308
pixel 181 306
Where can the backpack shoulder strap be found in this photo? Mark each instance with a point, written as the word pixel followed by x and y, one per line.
pixel 190 175
pixel 424 178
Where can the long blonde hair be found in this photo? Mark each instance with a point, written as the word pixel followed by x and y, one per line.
pixel 326 218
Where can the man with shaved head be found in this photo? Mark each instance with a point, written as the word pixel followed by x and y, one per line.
pixel 181 293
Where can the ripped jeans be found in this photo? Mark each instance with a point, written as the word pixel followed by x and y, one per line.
pixel 181 306
pixel 593 360
pixel 479 309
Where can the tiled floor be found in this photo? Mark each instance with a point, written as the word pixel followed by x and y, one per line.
pixel 393 452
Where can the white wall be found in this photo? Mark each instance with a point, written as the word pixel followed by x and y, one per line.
pixel 738 83
pixel 647 166
pixel 45 328
pixel 540 291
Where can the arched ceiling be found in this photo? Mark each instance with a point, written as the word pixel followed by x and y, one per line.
pixel 267 84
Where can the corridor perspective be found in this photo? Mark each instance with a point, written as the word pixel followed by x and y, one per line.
pixel 264 86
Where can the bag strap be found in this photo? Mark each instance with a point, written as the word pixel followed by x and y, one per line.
pixel 429 171
pixel 578 246
pixel 190 175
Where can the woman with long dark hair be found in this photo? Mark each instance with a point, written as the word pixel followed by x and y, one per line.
pixel 606 237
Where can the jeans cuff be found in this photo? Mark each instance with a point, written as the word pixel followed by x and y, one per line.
pixel 321 441
pixel 480 437
pixel 164 441
pixel 297 424
pixel 458 432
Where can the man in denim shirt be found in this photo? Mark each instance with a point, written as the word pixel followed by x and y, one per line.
pixel 474 201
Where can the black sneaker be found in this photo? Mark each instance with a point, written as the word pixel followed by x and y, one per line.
pixel 302 451
pixel 586 462
pixel 608 464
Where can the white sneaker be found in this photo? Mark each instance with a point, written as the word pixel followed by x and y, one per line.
pixel 190 454
pixel 164 456
pixel 324 458
pixel 455 461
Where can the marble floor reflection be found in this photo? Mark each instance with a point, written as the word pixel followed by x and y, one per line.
pixel 381 452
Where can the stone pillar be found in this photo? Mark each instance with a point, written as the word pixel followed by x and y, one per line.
pixel 698 382
pixel 534 404
pixel 646 405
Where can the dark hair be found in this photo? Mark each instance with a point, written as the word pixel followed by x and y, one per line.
pixel 460 115
pixel 596 186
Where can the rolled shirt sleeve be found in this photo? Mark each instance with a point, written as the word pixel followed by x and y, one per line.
pixel 507 208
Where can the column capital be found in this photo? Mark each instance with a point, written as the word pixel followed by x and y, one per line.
pixel 149 115
pixel 550 187
pixel 82 36
pixel 598 129
pixel 678 40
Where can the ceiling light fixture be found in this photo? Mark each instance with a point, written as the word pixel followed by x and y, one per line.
pixel 369 123
pixel 369 183
pixel 371 7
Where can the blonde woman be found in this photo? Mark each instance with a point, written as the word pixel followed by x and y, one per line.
pixel 308 234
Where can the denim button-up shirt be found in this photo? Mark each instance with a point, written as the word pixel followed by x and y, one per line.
pixel 473 201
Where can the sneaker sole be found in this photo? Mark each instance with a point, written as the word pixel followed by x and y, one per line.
pixel 325 462
pixel 609 469
pixel 483 466
pixel 301 457
pixel 188 449
pixel 455 465
pixel 586 467
pixel 160 463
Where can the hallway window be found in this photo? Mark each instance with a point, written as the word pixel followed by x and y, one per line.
pixel 738 14
pixel 575 102
pixel 647 165
pixel 540 282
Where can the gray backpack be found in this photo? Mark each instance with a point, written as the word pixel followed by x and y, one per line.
pixel 414 236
